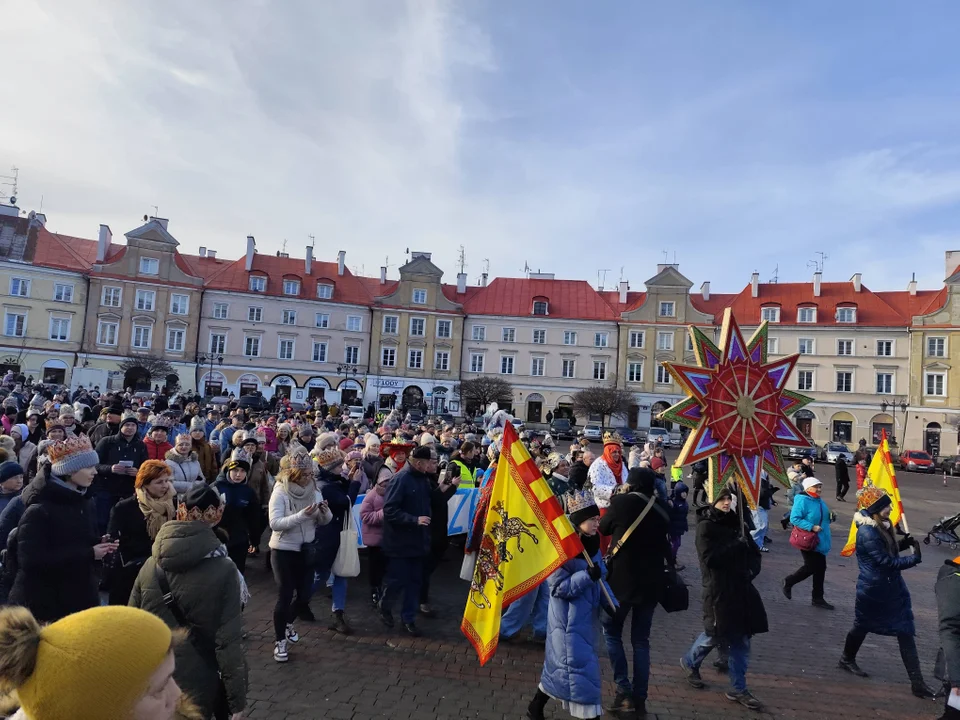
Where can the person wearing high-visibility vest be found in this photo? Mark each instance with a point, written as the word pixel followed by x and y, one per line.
pixel 462 463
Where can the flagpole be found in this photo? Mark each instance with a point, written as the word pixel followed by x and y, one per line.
pixel 603 585
pixel 896 485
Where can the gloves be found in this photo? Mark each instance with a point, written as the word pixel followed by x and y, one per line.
pixel 916 548
pixel 594 572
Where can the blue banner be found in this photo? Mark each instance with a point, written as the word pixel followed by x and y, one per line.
pixel 461 508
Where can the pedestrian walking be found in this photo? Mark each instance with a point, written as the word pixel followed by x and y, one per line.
pixel 638 525
pixel 843 478
pixel 679 509
pixel 571 669
pixel 861 472
pixel 811 514
pixel 761 515
pixel 733 611
pixel 883 605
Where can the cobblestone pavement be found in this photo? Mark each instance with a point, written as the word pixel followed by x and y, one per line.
pixel 381 673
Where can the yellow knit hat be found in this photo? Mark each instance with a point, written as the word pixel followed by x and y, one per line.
pixel 92 665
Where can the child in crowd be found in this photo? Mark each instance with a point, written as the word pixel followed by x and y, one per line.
pixel 11 482
pixel 678 517
pixel 571 669
pixel 241 511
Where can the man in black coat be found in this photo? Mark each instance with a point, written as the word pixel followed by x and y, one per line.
pixel 843 478
pixel 121 455
pixel 948 614
pixel 406 536
pixel 441 490
pixel 732 609
pixel 635 574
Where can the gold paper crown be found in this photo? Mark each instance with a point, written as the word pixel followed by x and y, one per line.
pixel 612 438
pixel 868 496
pixel 72 445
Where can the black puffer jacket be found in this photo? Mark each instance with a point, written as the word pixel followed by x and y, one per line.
pixel 728 563
pixel 129 526
pixel 636 572
pixel 112 450
pixel 54 545
pixel 948 614
pixel 207 589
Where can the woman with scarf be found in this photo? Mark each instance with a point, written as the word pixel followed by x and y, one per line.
pixel 396 453
pixel 206 455
pixel 135 522
pixel 605 475
pixel 184 465
pixel 883 604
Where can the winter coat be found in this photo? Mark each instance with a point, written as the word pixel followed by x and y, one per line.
pixel 861 475
pixel 186 470
pixel 809 511
pixel 571 668
pixel 102 430
pixel 10 517
pixel 129 526
pixel 371 465
pixel 208 460
pixel 155 450
pixel 408 498
pixel 636 571
pixel 732 607
pixel 371 518
pixel 841 470
pixel 207 590
pixel 291 528
pixel 948 614
pixel 56 570
pixel 113 450
pixel 241 513
pixel 883 602
pixel 340 495
pixel 680 508
pixel 258 479
pixel 6 499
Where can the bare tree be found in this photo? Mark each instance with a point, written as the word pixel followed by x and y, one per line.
pixel 482 391
pixel 603 401
pixel 154 367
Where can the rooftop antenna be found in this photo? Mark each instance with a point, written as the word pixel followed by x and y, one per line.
pixel 602 276
pixel 776 275
pixel 283 248
pixel 621 273
pixel 156 211
pixel 486 265
pixel 818 264
pixel 11 182
pixel 313 240
pixel 462 259
pixel 665 256
pixel 526 268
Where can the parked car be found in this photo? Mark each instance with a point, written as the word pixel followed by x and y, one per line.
pixel 917 461
pixel 629 435
pixel 518 425
pixel 355 412
pixel 799 453
pixel 562 429
pixel 592 431
pixel 950 464
pixel 445 419
pixel 834 450
pixel 676 439
pixel 219 400
pixel 658 433
pixel 253 401
pixel 415 416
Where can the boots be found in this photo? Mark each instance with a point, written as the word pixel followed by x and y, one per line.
pixel 339 623
pixel 622 703
pixel 850 665
pixel 911 661
pixel 536 706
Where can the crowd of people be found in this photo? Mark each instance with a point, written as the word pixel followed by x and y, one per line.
pixel 121 516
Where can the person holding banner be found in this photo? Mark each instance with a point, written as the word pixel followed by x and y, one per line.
pixel 883 604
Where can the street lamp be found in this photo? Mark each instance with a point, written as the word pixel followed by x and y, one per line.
pixel 202 359
pixel 893 405
pixel 346 369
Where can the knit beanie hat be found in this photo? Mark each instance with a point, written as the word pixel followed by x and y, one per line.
pixel 328 440
pixel 345 444
pixel 67 411
pixel 330 459
pixel 353 455
pixel 202 497
pixel 7 443
pixel 71 454
pixel 427 439
pixel 9 469
pixel 372 444
pixel 198 423
pixel 129 417
pixel 100 660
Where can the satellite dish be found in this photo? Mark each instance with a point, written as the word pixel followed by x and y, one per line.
pixel 145 218
pixel 13 199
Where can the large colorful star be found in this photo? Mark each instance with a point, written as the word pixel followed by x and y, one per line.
pixel 738 408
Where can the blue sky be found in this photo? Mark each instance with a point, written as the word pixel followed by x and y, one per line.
pixel 571 136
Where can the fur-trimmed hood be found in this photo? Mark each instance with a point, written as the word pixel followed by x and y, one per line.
pixel 861 518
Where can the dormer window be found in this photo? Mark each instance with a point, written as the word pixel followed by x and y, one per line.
pixel 846 314
pixel 258 283
pixel 770 314
pixel 540 307
pixel 149 266
pixel 291 287
pixel 806 315
pixel 324 291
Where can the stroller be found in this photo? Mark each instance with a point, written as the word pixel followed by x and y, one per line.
pixel 945 531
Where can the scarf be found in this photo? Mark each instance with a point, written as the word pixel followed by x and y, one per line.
pixel 156 511
pixel 591 543
pixel 220 552
pixel 394 465
pixel 176 457
pixel 615 467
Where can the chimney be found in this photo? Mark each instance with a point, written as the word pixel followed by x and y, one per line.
pixel 952 259
pixel 203 251
pixel 251 251
pixel 816 283
pixel 103 242
pixel 912 285
pixel 212 254
pixel 341 256
pixel 383 274
pixel 705 290
pixel 755 285
pixel 856 281
pixel 162 222
pixel 483 279
pixel 308 263
pixel 624 287
pixel 461 283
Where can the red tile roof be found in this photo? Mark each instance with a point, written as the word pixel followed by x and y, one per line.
pixel 715 306
pixel 568 299
pixel 923 303
pixel 612 298
pixel 64 252
pixel 348 288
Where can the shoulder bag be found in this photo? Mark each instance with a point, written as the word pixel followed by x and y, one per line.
pixel 614 549
pixel 203 644
pixel 674 595
pixel 347 562
pixel 806 540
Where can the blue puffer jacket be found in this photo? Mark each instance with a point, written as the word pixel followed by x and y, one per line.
pixel 809 511
pixel 681 508
pixel 883 602
pixel 571 670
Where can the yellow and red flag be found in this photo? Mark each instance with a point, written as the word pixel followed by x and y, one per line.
pixel 881 475
pixel 526 537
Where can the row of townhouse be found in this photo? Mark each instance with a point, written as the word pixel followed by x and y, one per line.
pixel 85 311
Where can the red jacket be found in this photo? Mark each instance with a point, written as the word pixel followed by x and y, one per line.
pixel 861 475
pixel 157 451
